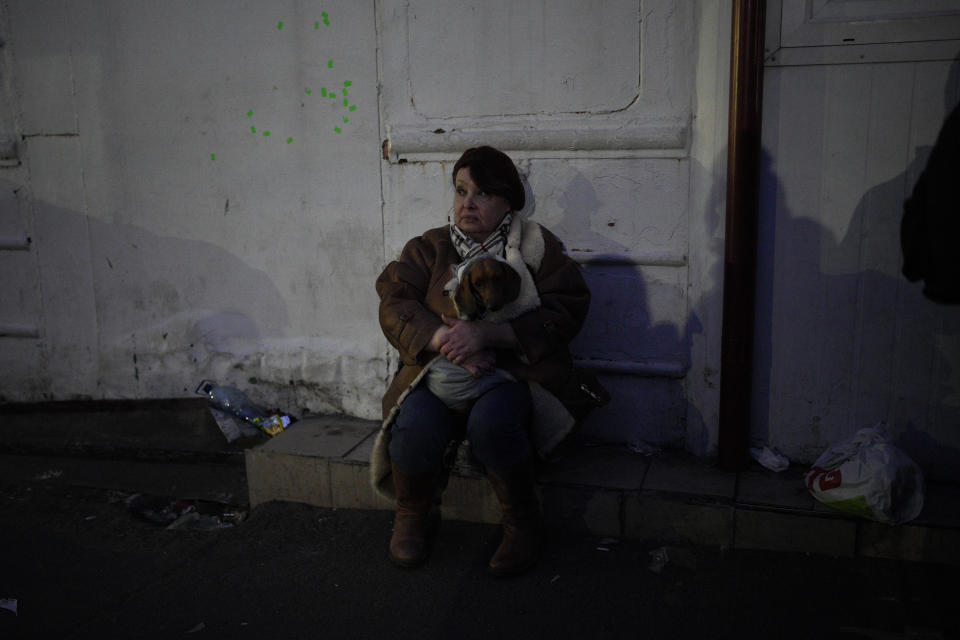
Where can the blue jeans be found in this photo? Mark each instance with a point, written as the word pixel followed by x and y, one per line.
pixel 496 428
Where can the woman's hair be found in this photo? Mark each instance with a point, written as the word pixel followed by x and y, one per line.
pixel 494 172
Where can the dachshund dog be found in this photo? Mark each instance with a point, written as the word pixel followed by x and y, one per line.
pixel 486 284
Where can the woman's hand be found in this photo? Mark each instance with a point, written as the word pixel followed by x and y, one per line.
pixel 439 338
pixel 460 340
pixel 463 339
pixel 480 364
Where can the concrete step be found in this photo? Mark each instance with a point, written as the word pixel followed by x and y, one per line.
pixel 610 491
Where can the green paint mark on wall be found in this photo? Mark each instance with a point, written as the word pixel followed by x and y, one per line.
pixel 213 156
pixel 324 92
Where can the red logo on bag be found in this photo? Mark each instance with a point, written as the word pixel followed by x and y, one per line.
pixel 825 480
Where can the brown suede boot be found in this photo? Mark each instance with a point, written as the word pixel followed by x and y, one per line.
pixel 522 522
pixel 413 521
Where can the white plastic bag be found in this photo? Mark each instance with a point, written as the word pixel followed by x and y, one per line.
pixel 868 476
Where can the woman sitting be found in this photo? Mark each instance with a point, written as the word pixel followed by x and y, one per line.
pixel 525 413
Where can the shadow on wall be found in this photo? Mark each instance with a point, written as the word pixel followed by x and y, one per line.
pixel 843 340
pixel 619 327
pixel 136 314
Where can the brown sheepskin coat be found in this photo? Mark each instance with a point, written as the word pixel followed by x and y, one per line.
pixel 550 311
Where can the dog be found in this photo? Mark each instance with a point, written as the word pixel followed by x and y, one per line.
pixel 485 284
pixel 481 287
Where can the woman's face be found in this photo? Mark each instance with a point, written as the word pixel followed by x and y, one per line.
pixel 476 212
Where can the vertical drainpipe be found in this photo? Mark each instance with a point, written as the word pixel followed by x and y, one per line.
pixel 740 249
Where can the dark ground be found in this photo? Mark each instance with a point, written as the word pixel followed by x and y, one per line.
pixel 81 563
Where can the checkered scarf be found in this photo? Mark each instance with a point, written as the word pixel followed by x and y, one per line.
pixel 495 243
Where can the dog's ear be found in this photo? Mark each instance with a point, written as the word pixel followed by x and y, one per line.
pixel 463 297
pixel 511 284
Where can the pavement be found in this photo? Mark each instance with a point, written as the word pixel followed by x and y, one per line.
pixel 81 562
pixel 283 536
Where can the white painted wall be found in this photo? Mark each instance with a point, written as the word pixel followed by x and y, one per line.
pixel 169 241
pixel 172 240
pixel 843 340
